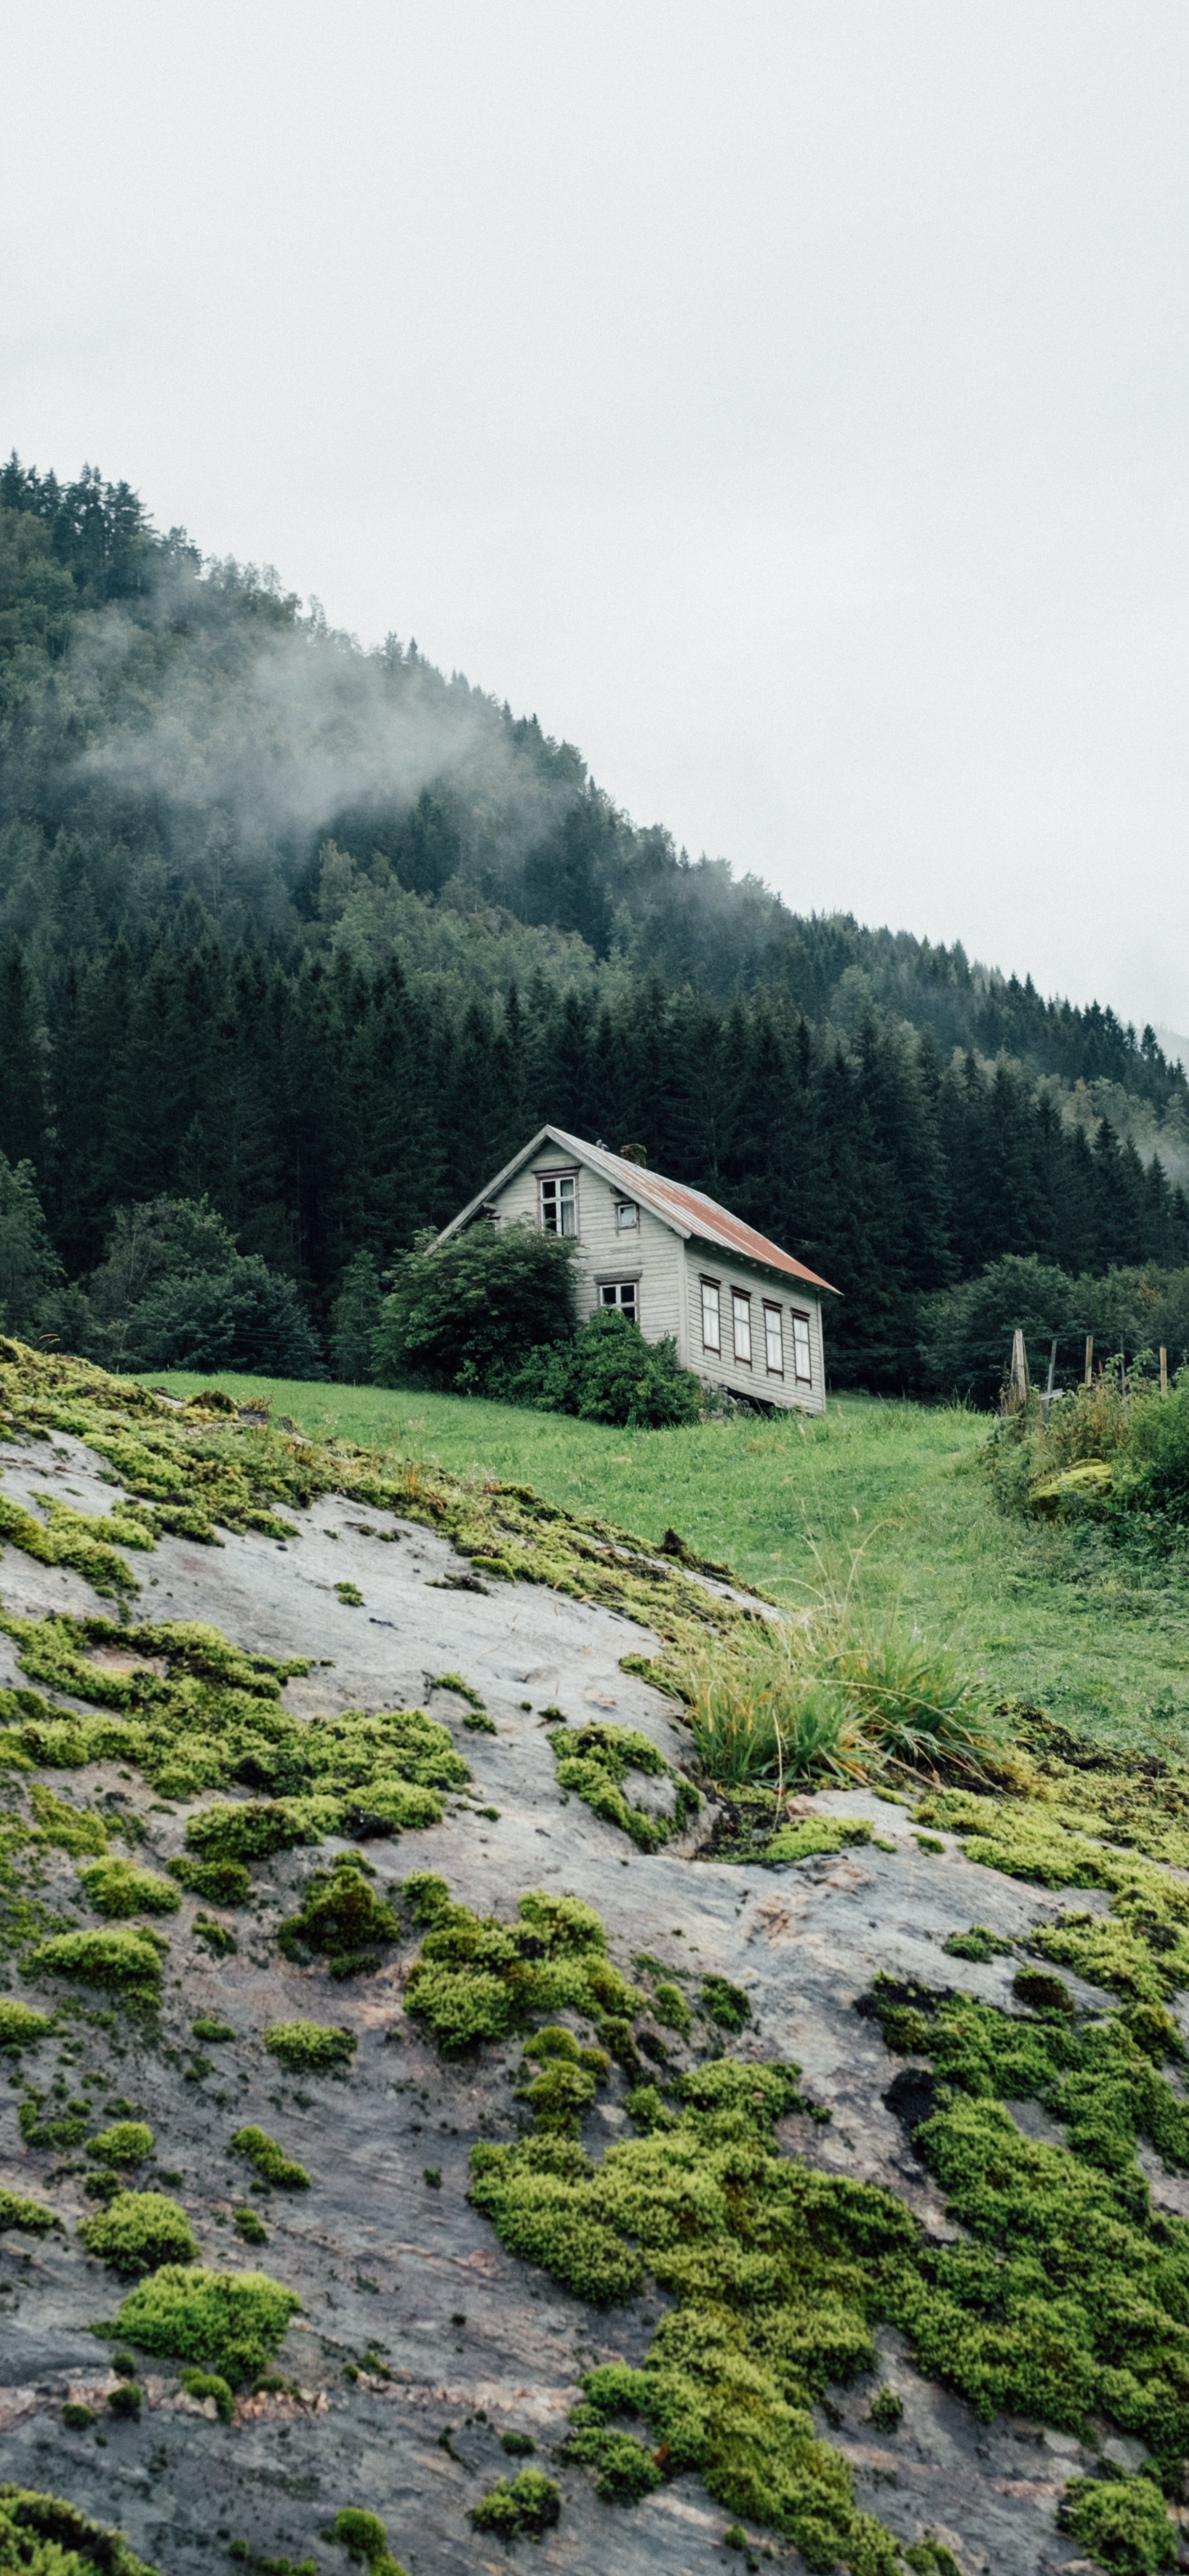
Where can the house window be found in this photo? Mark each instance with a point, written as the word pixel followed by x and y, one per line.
pixel 741 1319
pixel 711 1323
pixel 559 1202
pixel 802 1363
pixel 620 1293
pixel 774 1340
pixel 627 1216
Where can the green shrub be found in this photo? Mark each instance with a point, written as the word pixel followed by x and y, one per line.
pixel 528 2504
pixel 462 1310
pixel 244 1317
pixel 1123 2522
pixel 309 2047
pixel 607 1373
pixel 20 2026
pixel 129 1962
pixel 209 2383
pixel 127 2142
pixel 232 2322
pixel 40 2535
pixel 31 2216
pixel 269 2160
pixel 216 1882
pixel 116 1887
pixel 139 2230
pixel 341 1919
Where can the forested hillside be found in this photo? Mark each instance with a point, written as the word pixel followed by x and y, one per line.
pixel 321 934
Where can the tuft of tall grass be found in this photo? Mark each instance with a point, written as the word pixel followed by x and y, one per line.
pixel 831 1695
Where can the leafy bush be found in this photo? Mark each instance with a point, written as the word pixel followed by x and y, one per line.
pixel 269 2160
pixel 530 2503
pixel 1123 2521
pixel 966 1332
pixel 607 1373
pixel 139 2230
pixel 116 1887
pixel 245 1317
pixel 130 1961
pixel 232 2321
pixel 127 2142
pixel 459 1311
pixel 309 2047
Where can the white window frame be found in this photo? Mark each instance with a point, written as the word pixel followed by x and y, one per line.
pixel 802 1348
pixel 773 1332
pixel 621 1296
pixel 741 1326
pixel 627 1216
pixel 712 1315
pixel 552 1181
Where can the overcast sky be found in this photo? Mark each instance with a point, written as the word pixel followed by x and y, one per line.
pixel 788 404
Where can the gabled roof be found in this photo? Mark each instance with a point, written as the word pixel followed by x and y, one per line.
pixel 687 1212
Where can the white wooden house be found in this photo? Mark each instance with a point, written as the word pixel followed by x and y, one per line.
pixel 744 1314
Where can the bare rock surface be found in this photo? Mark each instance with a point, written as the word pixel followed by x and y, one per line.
pixel 465 2341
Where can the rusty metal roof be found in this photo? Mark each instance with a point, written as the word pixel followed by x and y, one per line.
pixel 688 1212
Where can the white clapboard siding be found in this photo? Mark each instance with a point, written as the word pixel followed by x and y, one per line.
pixel 669 1273
pixel 723 1369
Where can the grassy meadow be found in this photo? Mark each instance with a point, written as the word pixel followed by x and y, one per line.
pixel 1046 1614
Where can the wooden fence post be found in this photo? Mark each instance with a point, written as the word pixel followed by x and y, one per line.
pixel 1017 1384
pixel 1163 1369
pixel 1088 1379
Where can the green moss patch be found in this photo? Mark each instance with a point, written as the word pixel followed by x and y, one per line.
pixel 126 1962
pixel 117 1887
pixel 126 2142
pixel 341 1920
pixel 592 1763
pixel 476 1978
pixel 30 2216
pixel 138 2230
pixel 217 1882
pixel 525 2505
pixel 209 2386
pixel 232 2322
pixel 40 2535
pixel 1123 2522
pixel 21 2026
pixel 269 2160
pixel 310 2047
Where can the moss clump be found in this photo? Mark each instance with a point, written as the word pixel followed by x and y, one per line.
pixel 814 1835
pixel 309 2047
pixel 251 2228
pixel 128 1963
pixel 886 2410
pixel 204 2384
pixel 592 1763
pixel 31 2216
pixel 341 1920
pixel 70 1829
pixel 77 1539
pixel 217 1882
pixel 64 2127
pixel 42 2536
pixel 671 2009
pixel 232 2322
pixel 138 2230
pixel 20 2026
pixel 1042 1992
pixel 269 2160
pixel 725 2004
pixel 528 2504
pixel 117 1887
pixel 127 2142
pixel 519 2446
pixel 76 2417
pixel 477 1978
pixel 1122 2521
pixel 365 2540
pixel 978 1944
pixel 126 2400
pixel 208 2028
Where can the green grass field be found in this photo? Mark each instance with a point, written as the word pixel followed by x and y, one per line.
pixel 1052 1615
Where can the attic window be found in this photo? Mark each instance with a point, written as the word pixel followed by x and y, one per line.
pixel 802 1361
pixel 741 1320
pixel 627 1216
pixel 559 1202
pixel 711 1319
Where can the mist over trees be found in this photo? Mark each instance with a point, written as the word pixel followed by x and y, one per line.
pixel 317 936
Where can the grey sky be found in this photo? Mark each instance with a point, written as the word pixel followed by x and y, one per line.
pixel 788 403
